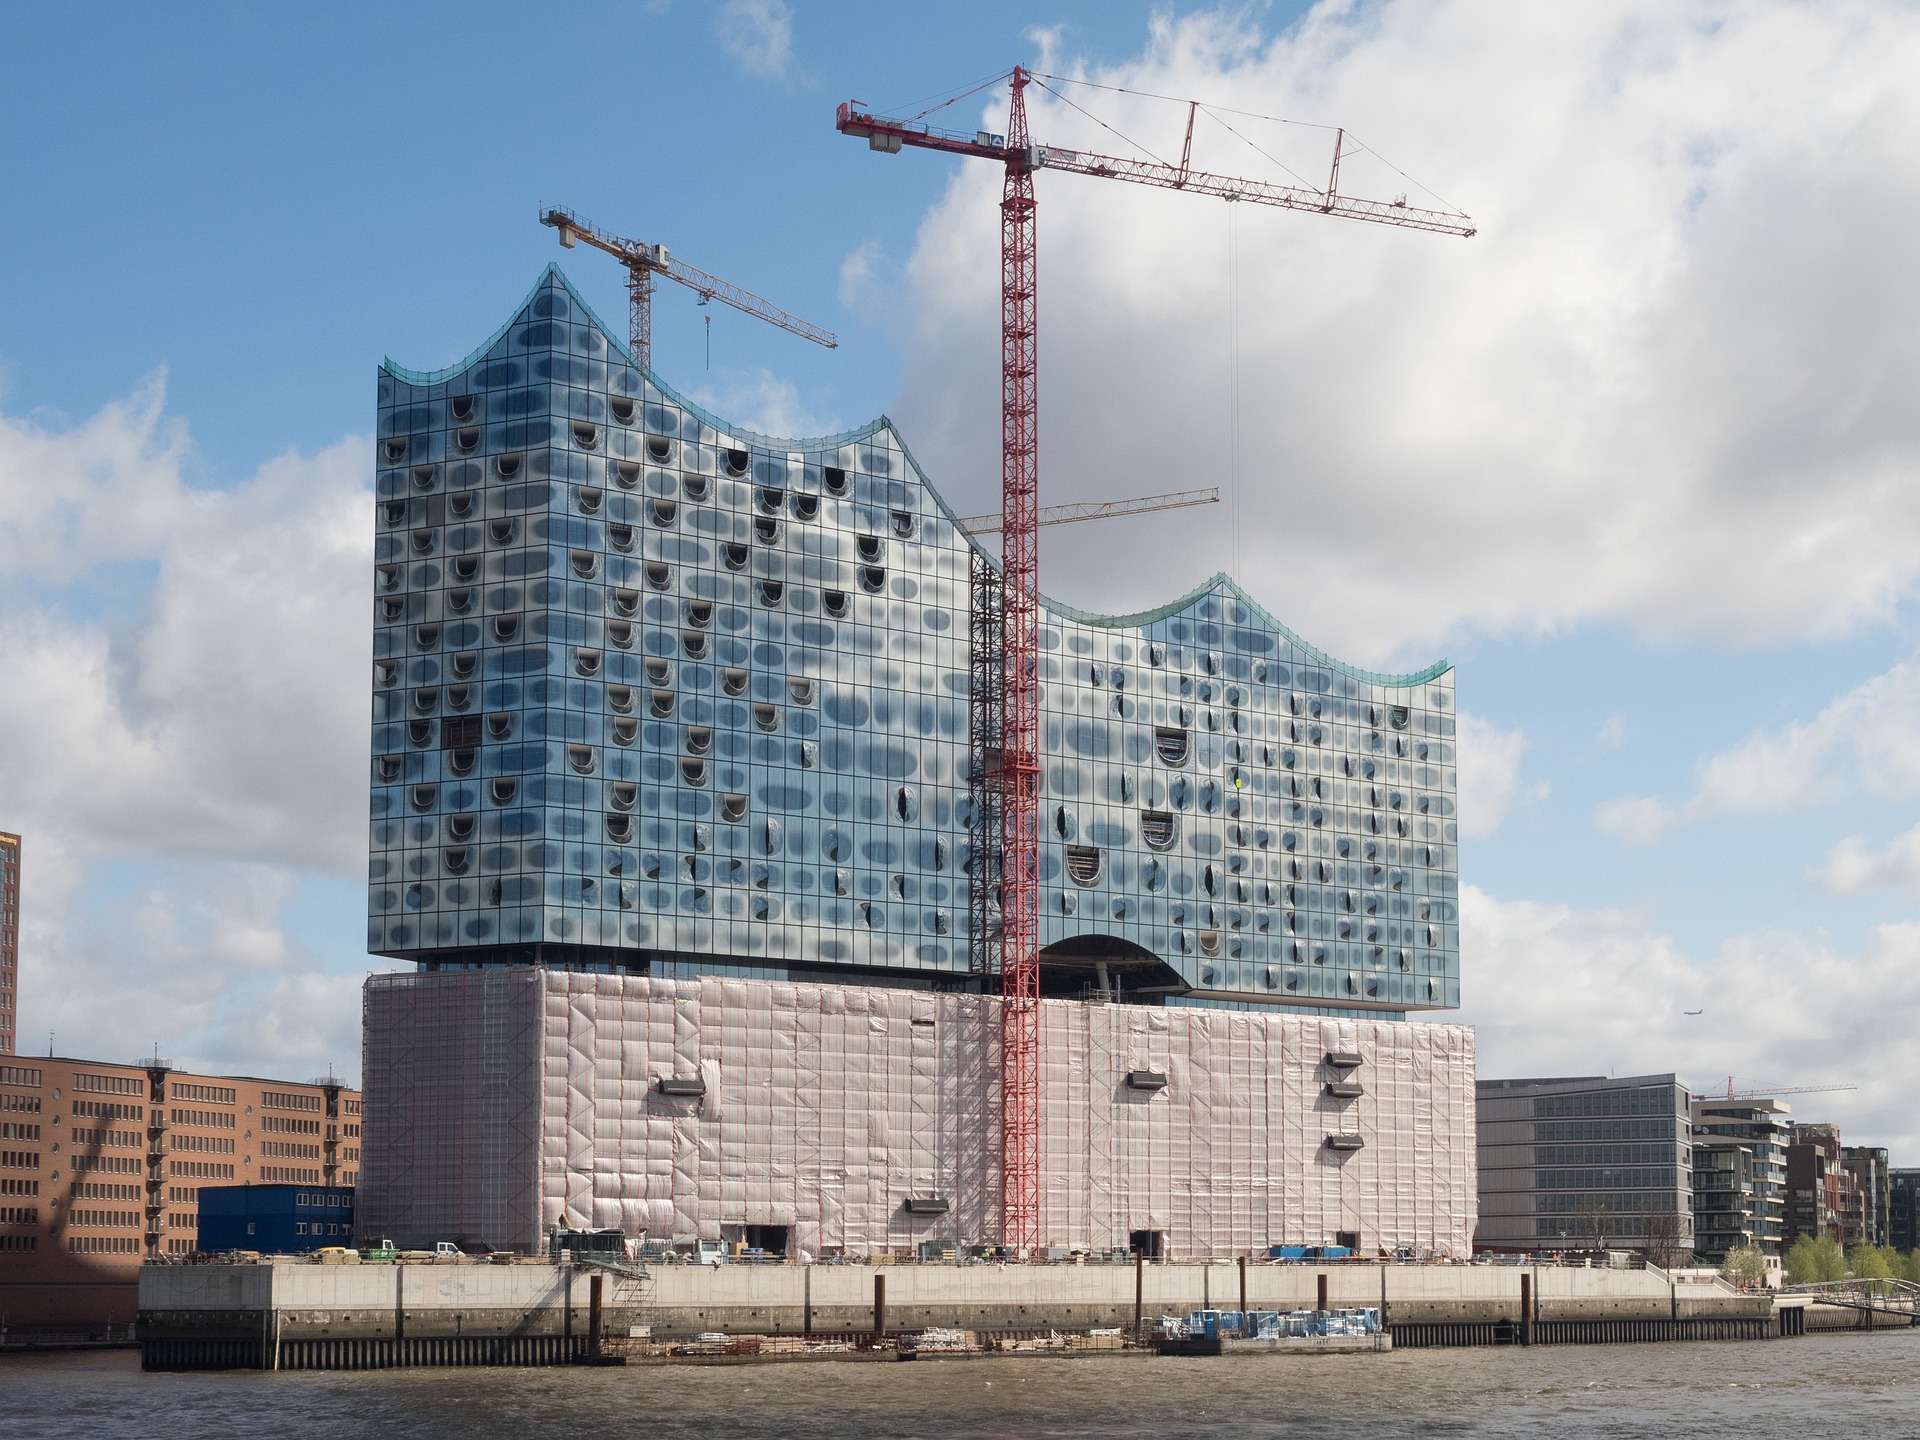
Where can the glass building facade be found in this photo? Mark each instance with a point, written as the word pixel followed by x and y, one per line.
pixel 656 695
pixel 1585 1163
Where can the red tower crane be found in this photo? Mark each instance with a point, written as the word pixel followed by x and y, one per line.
pixel 1018 759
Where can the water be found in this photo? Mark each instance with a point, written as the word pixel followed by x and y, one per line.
pixel 1858 1386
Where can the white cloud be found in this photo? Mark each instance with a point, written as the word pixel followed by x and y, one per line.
pixel 1851 867
pixel 1558 991
pixel 1636 819
pixel 1665 385
pixel 760 401
pixel 1489 773
pixel 1865 742
pixel 182 730
pixel 758 34
pixel 869 280
pixel 217 721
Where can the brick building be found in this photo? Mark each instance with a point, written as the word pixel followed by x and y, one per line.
pixel 101 1167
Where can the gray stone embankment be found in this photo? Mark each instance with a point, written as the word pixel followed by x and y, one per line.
pixel 540 1313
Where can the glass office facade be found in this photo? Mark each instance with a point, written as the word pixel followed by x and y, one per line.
pixel 657 695
pixel 1585 1163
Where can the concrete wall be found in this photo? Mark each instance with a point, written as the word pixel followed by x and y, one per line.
pixel 370 1301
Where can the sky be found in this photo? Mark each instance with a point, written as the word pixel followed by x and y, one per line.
pixel 1639 457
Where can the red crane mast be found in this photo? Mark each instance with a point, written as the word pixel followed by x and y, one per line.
pixel 1019 754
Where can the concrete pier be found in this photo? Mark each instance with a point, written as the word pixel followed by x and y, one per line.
pixel 305 1315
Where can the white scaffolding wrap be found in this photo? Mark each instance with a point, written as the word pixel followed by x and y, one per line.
pixel 500 1103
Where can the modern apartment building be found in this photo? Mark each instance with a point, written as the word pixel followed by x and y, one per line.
pixel 9 942
pixel 1585 1163
pixel 1745 1142
pixel 1903 1209
pixel 101 1166
pixel 1821 1196
pixel 1723 1198
pixel 1872 1191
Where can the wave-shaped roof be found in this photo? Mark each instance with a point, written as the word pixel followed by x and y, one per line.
pixel 1219 582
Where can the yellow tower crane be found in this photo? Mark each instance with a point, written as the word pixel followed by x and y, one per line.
pixel 644 261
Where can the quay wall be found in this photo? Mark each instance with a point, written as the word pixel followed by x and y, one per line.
pixel 286 1302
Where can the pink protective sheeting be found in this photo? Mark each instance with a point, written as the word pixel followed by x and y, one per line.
pixel 501 1103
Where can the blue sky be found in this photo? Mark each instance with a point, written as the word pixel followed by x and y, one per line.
pixel 1637 458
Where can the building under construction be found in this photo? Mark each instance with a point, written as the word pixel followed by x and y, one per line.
pixel 685 772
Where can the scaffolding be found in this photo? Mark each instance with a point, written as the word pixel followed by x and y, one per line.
pixel 502 1104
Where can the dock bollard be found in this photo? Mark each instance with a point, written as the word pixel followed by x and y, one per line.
pixel 593 1319
pixel 1139 1289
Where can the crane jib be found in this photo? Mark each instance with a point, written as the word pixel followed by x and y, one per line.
pixel 890 136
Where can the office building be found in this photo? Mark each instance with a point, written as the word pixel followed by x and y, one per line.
pixel 1585 1163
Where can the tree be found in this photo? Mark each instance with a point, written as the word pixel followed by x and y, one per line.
pixel 1814 1258
pixel 1667 1238
pixel 1867 1262
pixel 1596 1222
pixel 1744 1265
pixel 1802 1265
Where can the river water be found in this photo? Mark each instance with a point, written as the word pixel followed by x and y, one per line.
pixel 1857 1386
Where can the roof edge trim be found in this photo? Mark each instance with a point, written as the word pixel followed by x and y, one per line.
pixel 725 427
pixel 1221 579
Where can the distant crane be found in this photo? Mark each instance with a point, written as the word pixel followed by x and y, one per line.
pixel 644 261
pixel 1014 663
pixel 1764 1092
pixel 1101 509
